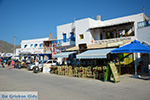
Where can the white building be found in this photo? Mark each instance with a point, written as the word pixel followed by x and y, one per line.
pixel 98 34
pixel 33 46
pixel 114 32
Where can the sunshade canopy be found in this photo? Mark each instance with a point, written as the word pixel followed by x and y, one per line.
pixel 94 54
pixel 44 54
pixel 133 47
pixel 63 54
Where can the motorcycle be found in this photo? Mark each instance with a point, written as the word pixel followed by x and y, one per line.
pixel 35 69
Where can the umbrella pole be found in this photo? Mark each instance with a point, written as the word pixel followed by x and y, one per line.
pixel 135 65
pixel 119 65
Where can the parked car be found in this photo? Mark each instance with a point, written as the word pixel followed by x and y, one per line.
pixel 52 62
pixel 39 68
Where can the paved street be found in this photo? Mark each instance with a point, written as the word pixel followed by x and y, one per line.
pixel 55 87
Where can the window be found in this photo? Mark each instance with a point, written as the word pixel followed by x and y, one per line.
pixel 81 36
pixel 54 61
pixel 49 62
pixel 64 37
pixel 25 46
pixel 31 45
pixel 40 45
pixel 35 45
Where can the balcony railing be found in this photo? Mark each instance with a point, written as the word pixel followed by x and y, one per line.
pixel 113 40
pixel 62 42
pixel 30 50
pixel 143 24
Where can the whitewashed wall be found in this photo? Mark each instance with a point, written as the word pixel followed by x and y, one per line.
pixel 82 27
pixel 143 34
pixel 66 28
pixel 32 41
pixel 32 49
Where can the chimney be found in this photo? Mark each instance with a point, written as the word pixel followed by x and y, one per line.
pixel 98 17
pixel 50 36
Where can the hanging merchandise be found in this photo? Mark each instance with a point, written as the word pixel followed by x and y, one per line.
pixel 108 35
pixel 130 31
pixel 122 32
pixel 113 32
pixel 111 35
pixel 117 32
pixel 126 34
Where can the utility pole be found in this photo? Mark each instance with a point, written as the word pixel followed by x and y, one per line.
pixel 14 45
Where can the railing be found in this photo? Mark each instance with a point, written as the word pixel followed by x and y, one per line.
pixel 66 42
pixel 113 40
pixel 29 50
pixel 143 24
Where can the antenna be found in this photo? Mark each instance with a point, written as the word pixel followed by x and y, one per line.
pixel 73 26
pixel 143 9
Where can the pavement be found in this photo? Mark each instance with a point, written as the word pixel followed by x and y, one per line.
pixel 56 87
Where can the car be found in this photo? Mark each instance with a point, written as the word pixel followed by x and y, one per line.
pixel 39 68
pixel 48 64
pixel 51 62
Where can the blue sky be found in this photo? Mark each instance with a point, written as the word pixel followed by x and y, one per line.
pixel 31 19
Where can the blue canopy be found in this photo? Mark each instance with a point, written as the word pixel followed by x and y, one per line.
pixel 134 47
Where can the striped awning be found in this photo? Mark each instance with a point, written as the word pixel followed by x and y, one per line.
pixel 94 54
pixel 63 54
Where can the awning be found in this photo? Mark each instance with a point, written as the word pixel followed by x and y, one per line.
pixel 63 54
pixel 109 24
pixel 44 54
pixel 94 54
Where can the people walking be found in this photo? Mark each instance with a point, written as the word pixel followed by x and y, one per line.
pixel 2 63
pixel 8 64
pixel 13 64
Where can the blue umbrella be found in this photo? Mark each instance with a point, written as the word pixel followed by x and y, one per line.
pixel 133 47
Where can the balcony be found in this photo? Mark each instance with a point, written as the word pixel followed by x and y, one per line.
pixel 115 41
pixel 66 42
pixel 30 50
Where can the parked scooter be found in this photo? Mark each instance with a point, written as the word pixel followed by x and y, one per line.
pixel 35 69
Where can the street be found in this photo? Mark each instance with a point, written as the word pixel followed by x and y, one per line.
pixel 56 87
